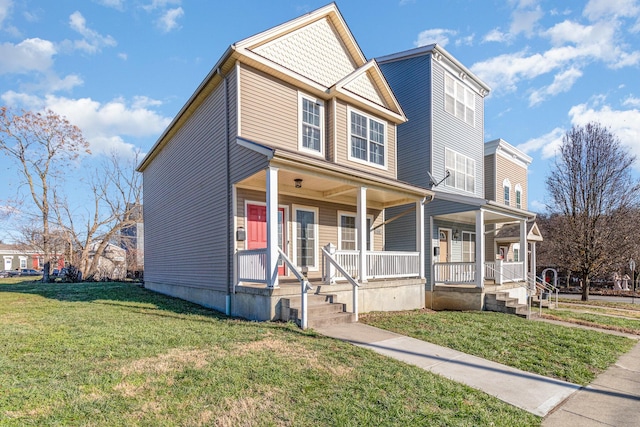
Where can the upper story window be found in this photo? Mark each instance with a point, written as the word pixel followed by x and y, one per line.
pixel 459 100
pixel 518 196
pixel 506 186
pixel 463 171
pixel 311 124
pixel 366 139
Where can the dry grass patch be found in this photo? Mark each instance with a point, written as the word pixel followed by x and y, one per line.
pixel 249 411
pixel 174 360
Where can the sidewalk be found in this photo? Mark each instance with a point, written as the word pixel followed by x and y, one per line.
pixel 612 399
pixel 531 392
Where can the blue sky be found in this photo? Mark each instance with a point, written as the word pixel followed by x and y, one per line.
pixel 120 69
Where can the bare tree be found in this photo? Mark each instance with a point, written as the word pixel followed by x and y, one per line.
pixel 117 196
pixel 41 144
pixel 593 195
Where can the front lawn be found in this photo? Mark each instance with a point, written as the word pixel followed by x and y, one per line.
pixel 108 354
pixel 569 354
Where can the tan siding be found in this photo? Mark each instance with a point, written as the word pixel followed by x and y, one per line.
pixel 185 207
pixel 328 219
pixel 516 174
pixel 342 146
pixel 269 109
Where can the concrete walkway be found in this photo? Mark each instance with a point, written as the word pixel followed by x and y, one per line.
pixel 612 399
pixel 531 392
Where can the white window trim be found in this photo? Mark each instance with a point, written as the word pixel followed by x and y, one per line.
pixel 467 92
pixel 516 252
pixel 301 147
pixel 294 234
pixel 506 184
pixel 353 215
pixel 518 190
pixel 23 262
pixel 472 239
pixel 386 139
pixel 455 162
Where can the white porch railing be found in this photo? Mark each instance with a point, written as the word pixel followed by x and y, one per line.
pixel 504 272
pixel 252 265
pixel 455 272
pixel 380 264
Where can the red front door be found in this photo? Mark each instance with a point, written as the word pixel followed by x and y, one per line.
pixel 257 229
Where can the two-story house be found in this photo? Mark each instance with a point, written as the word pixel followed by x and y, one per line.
pixel 283 163
pixel 441 147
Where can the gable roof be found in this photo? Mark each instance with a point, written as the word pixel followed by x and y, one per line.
pixel 511 232
pixel 315 52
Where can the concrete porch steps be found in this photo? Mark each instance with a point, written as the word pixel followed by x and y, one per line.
pixel 321 311
pixel 501 302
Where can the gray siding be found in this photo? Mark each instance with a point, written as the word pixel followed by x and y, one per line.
pixel 451 132
pixel 185 206
pixel 410 81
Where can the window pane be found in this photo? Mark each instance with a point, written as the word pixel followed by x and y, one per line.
pixel 347 233
pixel 506 195
pixel 305 238
pixel 359 148
pixel 358 125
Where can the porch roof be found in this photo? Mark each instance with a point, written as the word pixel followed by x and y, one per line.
pixel 511 233
pixel 467 206
pixel 323 180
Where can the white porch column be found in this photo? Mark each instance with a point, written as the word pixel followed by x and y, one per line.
pixel 272 227
pixel 480 249
pixel 361 227
pixel 533 259
pixel 523 247
pixel 420 236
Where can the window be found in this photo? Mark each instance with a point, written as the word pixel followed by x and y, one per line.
pixel 518 196
pixel 516 252
pixel 506 185
pixel 311 124
pixel 23 262
pixel 468 246
pixel 306 238
pixel 367 139
pixel 459 100
pixel 463 171
pixel 347 237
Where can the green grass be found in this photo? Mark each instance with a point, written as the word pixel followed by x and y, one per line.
pixel 115 354
pixel 570 354
pixel 596 318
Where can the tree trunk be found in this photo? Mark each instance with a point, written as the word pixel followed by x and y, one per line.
pixel 585 287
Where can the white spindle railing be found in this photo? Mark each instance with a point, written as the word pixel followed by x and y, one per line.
pixel 348 260
pixel 455 272
pixel 252 265
pixel 383 265
pixel 490 270
pixel 513 271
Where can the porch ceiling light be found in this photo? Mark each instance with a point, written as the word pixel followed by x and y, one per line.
pixel 456 234
pixel 298 182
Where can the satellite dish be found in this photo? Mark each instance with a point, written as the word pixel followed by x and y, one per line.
pixel 433 182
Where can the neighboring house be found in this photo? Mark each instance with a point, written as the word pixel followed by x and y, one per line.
pixel 441 146
pixel 17 257
pixel 112 263
pixel 132 240
pixel 505 171
pixel 285 150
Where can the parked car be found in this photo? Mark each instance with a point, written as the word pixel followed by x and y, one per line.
pixel 25 272
pixel 4 273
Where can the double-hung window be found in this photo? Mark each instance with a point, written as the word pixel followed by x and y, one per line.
pixel 366 139
pixel 506 186
pixel 347 238
pixel 518 196
pixel 462 169
pixel 311 124
pixel 459 100
pixel 468 246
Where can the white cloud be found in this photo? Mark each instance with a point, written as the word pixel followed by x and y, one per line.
pixel 115 4
pixel 599 9
pixel 625 124
pixel 5 7
pixel 524 21
pixel 104 125
pixel 436 35
pixel 496 35
pixel 562 82
pixel 93 41
pixel 631 101
pixel 547 144
pixel 160 4
pixel 123 56
pixel 465 41
pixel 169 20
pixel 28 55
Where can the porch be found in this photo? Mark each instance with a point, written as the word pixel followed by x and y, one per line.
pixel 464 273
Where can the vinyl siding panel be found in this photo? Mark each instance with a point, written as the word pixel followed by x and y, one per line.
pixel 343 146
pixel 185 204
pixel 517 174
pixel 451 132
pixel 328 220
pixel 268 109
pixel 410 81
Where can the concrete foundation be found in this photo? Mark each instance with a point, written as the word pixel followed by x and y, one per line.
pixel 469 297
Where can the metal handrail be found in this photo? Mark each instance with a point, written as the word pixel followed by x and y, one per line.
pixel 355 285
pixel 305 287
pixel 543 286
